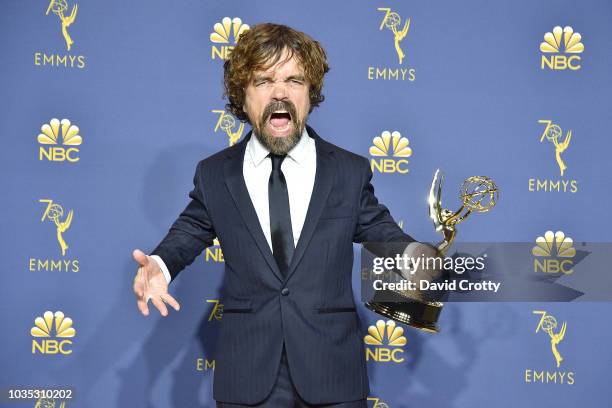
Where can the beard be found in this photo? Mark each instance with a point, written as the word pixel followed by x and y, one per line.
pixel 279 145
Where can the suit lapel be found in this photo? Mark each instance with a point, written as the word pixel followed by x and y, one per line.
pixel 234 179
pixel 324 179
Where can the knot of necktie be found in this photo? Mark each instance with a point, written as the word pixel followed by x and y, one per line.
pixel 277 160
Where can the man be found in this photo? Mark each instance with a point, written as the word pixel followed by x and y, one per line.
pixel 286 206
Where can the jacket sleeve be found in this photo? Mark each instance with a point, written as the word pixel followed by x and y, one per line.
pixel 374 223
pixel 190 234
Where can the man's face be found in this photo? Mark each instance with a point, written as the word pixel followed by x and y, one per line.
pixel 277 104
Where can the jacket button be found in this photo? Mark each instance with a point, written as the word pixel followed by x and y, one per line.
pixel 285 291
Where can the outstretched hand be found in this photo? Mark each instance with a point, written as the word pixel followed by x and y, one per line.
pixel 150 283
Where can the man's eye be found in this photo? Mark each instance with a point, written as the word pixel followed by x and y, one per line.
pixel 296 81
pixel 261 82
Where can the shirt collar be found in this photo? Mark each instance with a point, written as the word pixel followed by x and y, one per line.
pixel 258 152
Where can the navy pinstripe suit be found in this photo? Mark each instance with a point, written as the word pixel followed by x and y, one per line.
pixel 312 311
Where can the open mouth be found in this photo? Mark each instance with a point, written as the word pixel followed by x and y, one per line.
pixel 280 120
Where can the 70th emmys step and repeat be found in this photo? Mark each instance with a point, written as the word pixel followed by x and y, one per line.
pixel 462 109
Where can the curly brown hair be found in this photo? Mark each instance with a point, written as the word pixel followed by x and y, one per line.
pixel 261 47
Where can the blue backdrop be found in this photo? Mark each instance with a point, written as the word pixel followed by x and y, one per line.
pixel 108 106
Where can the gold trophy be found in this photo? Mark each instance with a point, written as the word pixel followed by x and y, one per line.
pixel 478 194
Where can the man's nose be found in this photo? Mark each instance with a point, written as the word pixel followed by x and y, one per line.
pixel 279 91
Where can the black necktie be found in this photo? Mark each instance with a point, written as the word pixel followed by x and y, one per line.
pixel 280 216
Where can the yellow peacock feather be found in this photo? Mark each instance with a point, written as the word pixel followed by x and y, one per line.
pixel 564 245
pixel 376 334
pixel 390 143
pixel 222 32
pixel 51 133
pixel 570 40
pixel 43 325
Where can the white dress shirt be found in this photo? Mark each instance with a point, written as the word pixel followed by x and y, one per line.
pixel 299 168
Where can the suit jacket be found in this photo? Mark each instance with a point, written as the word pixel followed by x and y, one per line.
pixel 312 310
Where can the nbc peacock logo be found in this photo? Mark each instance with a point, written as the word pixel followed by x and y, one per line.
pixel 214 253
pixel 52 333
pixel 225 35
pixel 59 141
pixel 385 342
pixel 390 152
pixel 557 44
pixel 554 253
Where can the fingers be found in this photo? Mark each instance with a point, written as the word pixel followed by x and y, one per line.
pixel 171 301
pixel 140 289
pixel 158 302
pixel 160 305
pixel 140 257
pixel 146 286
pixel 139 285
pixel 142 306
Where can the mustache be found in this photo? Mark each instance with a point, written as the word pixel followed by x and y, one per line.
pixel 279 105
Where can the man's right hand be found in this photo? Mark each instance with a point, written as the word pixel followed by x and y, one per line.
pixel 150 283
